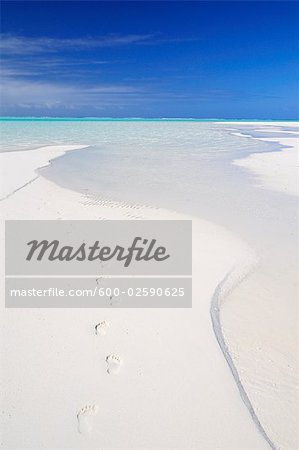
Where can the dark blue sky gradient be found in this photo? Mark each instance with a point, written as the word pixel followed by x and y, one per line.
pixel 150 59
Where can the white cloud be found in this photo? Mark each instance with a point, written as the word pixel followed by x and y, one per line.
pixel 40 73
pixel 26 94
pixel 24 45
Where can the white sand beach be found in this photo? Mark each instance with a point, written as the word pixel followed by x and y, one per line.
pixel 174 388
pixel 262 363
pixel 277 171
pixel 24 166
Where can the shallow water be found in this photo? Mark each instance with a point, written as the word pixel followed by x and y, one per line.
pixel 184 166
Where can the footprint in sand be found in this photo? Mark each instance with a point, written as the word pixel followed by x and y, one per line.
pixel 114 363
pixel 102 328
pixel 85 418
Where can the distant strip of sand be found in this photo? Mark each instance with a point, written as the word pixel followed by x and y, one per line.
pixel 278 171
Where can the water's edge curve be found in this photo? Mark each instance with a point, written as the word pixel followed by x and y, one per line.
pixel 233 278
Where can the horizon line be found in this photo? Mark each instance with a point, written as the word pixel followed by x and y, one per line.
pixel 134 118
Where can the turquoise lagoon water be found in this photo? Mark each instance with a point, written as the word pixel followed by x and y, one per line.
pixel 179 164
pixel 175 164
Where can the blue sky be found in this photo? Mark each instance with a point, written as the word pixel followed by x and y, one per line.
pixel 150 59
